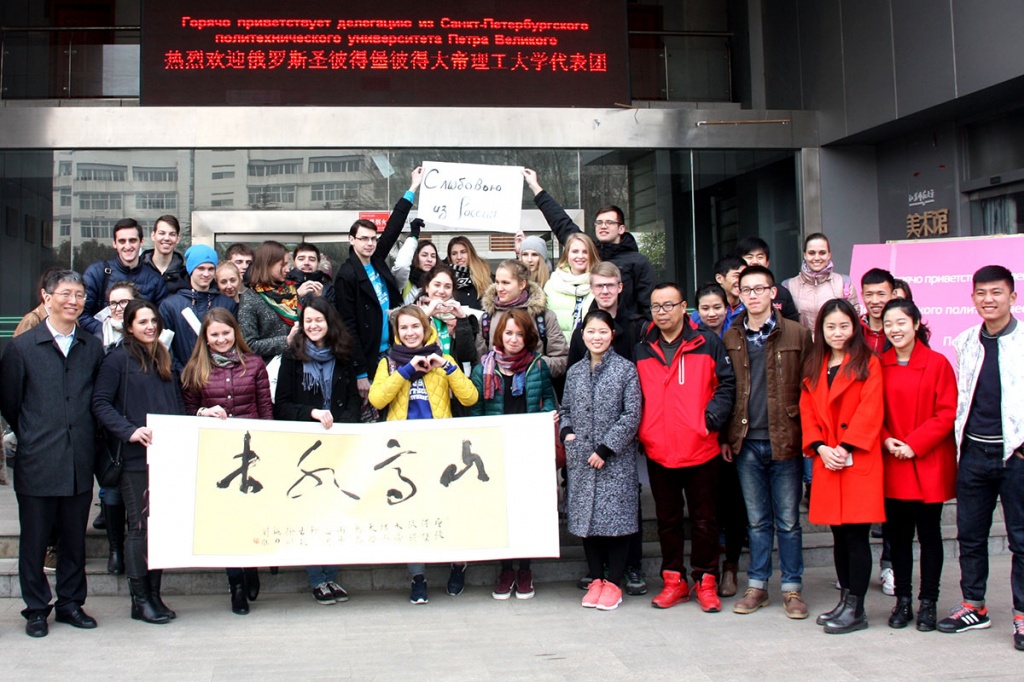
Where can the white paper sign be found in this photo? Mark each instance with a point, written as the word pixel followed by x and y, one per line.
pixel 472 196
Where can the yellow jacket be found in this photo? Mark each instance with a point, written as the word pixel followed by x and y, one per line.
pixel 391 390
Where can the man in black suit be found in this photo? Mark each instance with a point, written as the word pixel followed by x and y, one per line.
pixel 46 380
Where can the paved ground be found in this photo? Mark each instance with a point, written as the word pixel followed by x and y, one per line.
pixel 472 637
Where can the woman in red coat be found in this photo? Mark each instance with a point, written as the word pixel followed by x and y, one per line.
pixel 841 413
pixel 920 456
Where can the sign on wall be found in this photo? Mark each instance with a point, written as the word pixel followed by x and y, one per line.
pixel 328 52
pixel 242 492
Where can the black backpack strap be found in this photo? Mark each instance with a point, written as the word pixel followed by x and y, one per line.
pixel 542 327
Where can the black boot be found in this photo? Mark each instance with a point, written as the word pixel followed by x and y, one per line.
pixel 829 615
pixel 239 602
pixel 155 578
pixel 252 583
pixel 926 616
pixel 115 515
pixel 902 613
pixel 142 604
pixel 850 619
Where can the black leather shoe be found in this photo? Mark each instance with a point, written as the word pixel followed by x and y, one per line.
pixel 902 613
pixel 252 583
pixel 77 618
pixel 926 616
pixel 36 625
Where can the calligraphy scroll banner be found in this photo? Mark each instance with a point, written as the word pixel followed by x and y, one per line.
pixel 939 273
pixel 244 492
pixel 471 196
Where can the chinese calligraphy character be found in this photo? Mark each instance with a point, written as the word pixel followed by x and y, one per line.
pixel 311 474
pixel 470 459
pixel 249 458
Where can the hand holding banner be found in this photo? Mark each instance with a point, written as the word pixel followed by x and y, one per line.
pixel 472 196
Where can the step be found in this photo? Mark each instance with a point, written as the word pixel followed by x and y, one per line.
pixel 569 567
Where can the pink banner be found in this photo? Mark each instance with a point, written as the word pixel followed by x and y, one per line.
pixel 939 273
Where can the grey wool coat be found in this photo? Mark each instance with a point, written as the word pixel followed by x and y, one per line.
pixel 46 398
pixel 602 407
pixel 263 330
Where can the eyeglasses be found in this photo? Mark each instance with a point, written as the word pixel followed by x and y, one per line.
pixel 667 307
pixel 609 223
pixel 114 305
pixel 68 295
pixel 756 291
pixel 366 240
pixel 605 287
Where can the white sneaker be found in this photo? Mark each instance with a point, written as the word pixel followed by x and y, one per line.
pixel 888 580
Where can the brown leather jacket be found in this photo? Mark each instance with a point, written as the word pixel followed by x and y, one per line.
pixel 786 348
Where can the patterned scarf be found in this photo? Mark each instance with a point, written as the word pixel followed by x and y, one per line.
pixel 228 359
pixel 318 371
pixel 444 337
pixel 401 355
pixel 463 280
pixel 818 277
pixel 514 365
pixel 283 299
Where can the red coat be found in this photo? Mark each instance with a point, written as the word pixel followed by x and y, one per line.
pixel 849 412
pixel 920 406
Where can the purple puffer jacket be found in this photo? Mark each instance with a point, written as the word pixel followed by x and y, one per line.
pixel 244 393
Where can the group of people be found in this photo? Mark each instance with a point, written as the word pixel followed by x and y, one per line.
pixel 767 390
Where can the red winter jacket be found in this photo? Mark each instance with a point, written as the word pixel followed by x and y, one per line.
pixel 920 407
pixel 244 393
pixel 686 401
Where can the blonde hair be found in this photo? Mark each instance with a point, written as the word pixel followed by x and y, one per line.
pixel 196 374
pixel 543 272
pixel 592 257
pixel 479 270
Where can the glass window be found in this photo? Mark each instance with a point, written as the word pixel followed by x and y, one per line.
pixel 98 228
pixel 102 172
pixel 64 228
pixel 65 197
pixel 259 169
pixel 271 194
pixel 159 201
pixel 335 165
pixel 64 169
pixel 223 175
pixel 99 201
pixel 334 191
pixel 155 174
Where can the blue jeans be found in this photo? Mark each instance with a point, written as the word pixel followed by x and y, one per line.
pixel 982 476
pixel 319 575
pixel 111 496
pixel 772 491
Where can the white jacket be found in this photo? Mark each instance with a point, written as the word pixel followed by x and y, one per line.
pixel 969 356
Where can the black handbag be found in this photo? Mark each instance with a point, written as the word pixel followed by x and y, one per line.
pixel 108 461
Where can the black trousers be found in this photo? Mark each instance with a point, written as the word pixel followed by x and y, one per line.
pixel 604 551
pixel 852 555
pixel 903 517
pixel 135 493
pixel 40 518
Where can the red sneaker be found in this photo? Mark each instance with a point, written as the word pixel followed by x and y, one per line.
pixel 707 594
pixel 675 591
pixel 611 597
pixel 593 596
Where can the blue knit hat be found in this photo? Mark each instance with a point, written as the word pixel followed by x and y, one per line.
pixel 197 254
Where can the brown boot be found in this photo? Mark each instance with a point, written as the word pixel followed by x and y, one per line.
pixel 752 600
pixel 728 588
pixel 675 591
pixel 796 607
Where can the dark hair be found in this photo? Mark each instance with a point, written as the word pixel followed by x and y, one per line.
pixel 368 224
pixel 337 338
pixel 993 273
pixel 306 246
pixel 170 220
pixel 125 224
pixel 816 235
pixel 758 270
pixel 416 275
pixel 749 245
pixel 57 277
pixel 598 314
pixel 723 266
pixel 45 276
pixel 441 268
pixel 156 355
pixel 126 285
pixel 239 249
pixel 877 276
pixel 267 254
pixel 856 347
pixel 611 208
pixel 516 268
pixel 531 337
pixel 911 309
pixel 711 289
pixel 669 285
pixel 902 284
